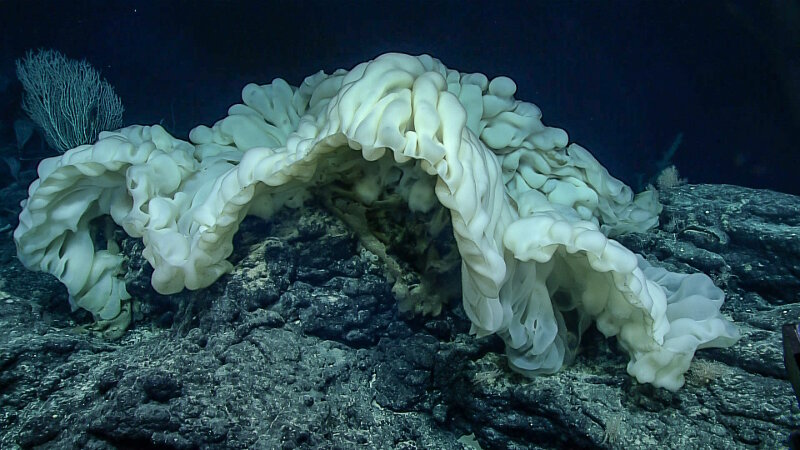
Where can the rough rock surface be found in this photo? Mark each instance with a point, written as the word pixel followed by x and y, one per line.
pixel 302 347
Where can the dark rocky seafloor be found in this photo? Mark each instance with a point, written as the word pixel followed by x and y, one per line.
pixel 302 346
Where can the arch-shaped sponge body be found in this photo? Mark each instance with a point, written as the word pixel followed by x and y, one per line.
pixel 531 215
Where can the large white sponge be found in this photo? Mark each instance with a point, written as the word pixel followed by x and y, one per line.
pixel 532 215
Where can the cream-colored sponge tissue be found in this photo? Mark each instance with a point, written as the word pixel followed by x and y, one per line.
pixel 533 215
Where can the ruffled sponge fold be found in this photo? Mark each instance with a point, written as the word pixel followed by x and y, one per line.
pixel 532 215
